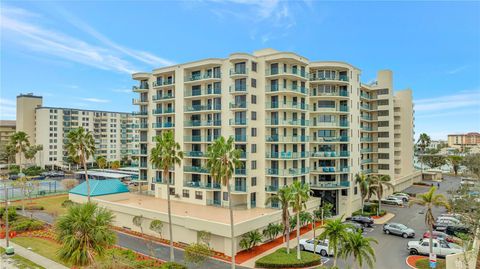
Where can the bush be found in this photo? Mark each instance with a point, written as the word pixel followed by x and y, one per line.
pixel 30 207
pixel 24 225
pixel 197 253
pixel 12 213
pixel 173 265
pixel 280 259
pixel 67 203
pixel 33 171
pixel 368 214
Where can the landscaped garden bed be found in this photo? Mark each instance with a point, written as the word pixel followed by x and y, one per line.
pixel 280 259
pixel 424 264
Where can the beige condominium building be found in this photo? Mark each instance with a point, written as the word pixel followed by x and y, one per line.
pixel 294 119
pixel 115 133
pixel 462 141
pixel 7 128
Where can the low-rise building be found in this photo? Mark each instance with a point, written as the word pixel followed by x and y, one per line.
pixel 7 128
pixel 462 141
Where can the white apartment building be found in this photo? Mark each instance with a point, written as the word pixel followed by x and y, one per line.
pixel 294 119
pixel 115 133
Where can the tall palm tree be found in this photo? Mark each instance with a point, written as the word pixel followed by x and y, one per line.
pixel 363 181
pixel 85 232
pixel 429 200
pixel 101 162
pixel 422 143
pixel 164 155
pixel 284 198
pixel 21 142
pixel 360 248
pixel 336 232
pixel 222 160
pixel 301 194
pixel 81 146
pixel 379 184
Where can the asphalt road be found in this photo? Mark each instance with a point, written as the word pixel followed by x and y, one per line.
pixel 391 251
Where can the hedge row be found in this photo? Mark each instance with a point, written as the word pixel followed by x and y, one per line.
pixel 280 259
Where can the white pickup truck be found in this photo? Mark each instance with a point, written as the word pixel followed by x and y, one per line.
pixel 440 247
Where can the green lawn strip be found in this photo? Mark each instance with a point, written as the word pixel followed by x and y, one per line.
pixel 43 247
pixel 22 262
pixel 424 264
pixel 280 259
pixel 51 204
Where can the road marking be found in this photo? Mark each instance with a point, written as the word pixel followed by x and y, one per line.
pixel 324 260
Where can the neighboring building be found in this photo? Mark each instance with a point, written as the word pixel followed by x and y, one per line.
pixel 435 144
pixel 7 128
pixel 293 118
pixel 115 133
pixel 462 141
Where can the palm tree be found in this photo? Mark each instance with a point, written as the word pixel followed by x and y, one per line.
pixel 301 194
pixel 101 162
pixel 336 233
pixel 363 181
pixel 164 155
pixel 85 232
pixel 222 160
pixel 455 162
pixel 284 197
pixel 422 143
pixel 429 200
pixel 81 146
pixel 21 142
pixel 360 248
pixel 379 185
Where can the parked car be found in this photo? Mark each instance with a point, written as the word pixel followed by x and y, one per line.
pixel 392 201
pixel 447 218
pixel 441 225
pixel 398 229
pixel 37 178
pixel 405 197
pixel 321 247
pixel 356 226
pixel 365 221
pixel 456 229
pixel 453 215
pixel 440 236
pixel 13 177
pixel 440 247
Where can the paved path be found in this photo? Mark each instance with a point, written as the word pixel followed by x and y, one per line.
pixel 34 257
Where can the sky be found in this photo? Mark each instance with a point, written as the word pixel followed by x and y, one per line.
pixel 81 53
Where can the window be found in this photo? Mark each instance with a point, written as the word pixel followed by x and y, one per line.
pixel 254 132
pixel 355 190
pixel 225 196
pixel 254 165
pixel 254 148
pixel 383 91
pixel 254 66
pixel 254 83
pixel 186 194
pixel 198 195
pixel 172 191
pixel 254 99
pixel 254 181
pixel 254 115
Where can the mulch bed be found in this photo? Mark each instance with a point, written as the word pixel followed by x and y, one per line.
pixel 412 260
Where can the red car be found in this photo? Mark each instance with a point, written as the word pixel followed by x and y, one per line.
pixel 439 235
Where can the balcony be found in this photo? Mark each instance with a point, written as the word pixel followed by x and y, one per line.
pixel 195 154
pixel 370 171
pixel 161 180
pixel 330 185
pixel 330 124
pixel 286 155
pixel 289 71
pixel 143 152
pixel 286 105
pixel 286 139
pixel 368 161
pixel 238 89
pixel 239 188
pixel 160 97
pixel 201 92
pixel 160 83
pixel 240 138
pixel 287 122
pixel 339 109
pixel 203 76
pixel 271 188
pixel 236 72
pixel 366 107
pixel 240 171
pixel 143 87
pixel 238 105
pixel 159 111
pixel 213 202
pixel 202 185
pixel 331 170
pixel 368 139
pixel 199 123
pixel 240 122
pixel 196 108
pixel 366 96
pixel 367 118
pixel 198 138
pixel 340 93
pixel 289 88
pixel 330 154
pixel 140 113
pixel 366 150
pixel 138 102
pixel 369 129
pixel 287 171
pixel 163 125
pixel 342 78
pixel 195 169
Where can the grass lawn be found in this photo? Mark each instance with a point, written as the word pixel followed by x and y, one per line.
pixel 22 262
pixel 52 204
pixel 280 259
pixel 40 246
pixel 424 264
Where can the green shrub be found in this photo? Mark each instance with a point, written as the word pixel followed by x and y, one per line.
pixel 67 203
pixel 24 225
pixel 30 207
pixel 33 171
pixel 197 253
pixel 12 213
pixel 368 214
pixel 280 259
pixel 173 265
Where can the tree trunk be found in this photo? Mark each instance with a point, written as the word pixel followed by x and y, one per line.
pixel 430 244
pixel 298 235
pixel 86 178
pixel 165 175
pixel 363 201
pixel 288 233
pixel 232 234
pixel 335 256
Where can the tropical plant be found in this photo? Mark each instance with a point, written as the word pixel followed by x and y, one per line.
pixel 360 248
pixel 325 211
pixel 250 239
pixel 81 146
pixel 434 161
pixel 7 154
pixel 222 160
pixel 284 197
pixel 115 164
pixel 293 222
pixel 455 161
pixel 204 237
pixel 101 162
pixel 422 143
pixel 157 226
pixel 21 142
pixel 336 232
pixel 305 218
pixel 429 200
pixel 164 155
pixel 363 182
pixel 272 230
pixel 301 194
pixel 379 184
pixel 197 253
pixel 84 232
pixel 472 162
pixel 32 151
pixel 138 221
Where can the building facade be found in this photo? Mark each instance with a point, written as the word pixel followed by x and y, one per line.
pixel 461 141
pixel 115 133
pixel 294 119
pixel 7 128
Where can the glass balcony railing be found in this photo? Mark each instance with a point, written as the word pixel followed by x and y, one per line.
pixel 161 180
pixel 330 185
pixel 158 97
pixel 368 139
pixel 142 86
pixel 214 202
pixel 290 105
pixel 195 153
pixel 143 151
pixel 289 71
pixel 331 109
pixel 370 171
pixel 167 110
pixel 367 161
pixel 239 188
pixel 276 138
pixel 137 101
pixel 368 129
pixel 341 123
pixel 200 92
pixel 340 93
pixel 166 82
pixel 366 150
pixel 331 169
pixel 203 76
pixel 287 171
pixel 236 105
pixel 203 107
pixel 240 138
pixel 238 88
pixel 286 155
pixel 366 96
pixel 238 121
pixel 240 171
pixel 336 78
pixel 195 169
pixel 288 88
pixel 195 123
pixel 140 113
pixel 295 122
pixel 143 125
pixel 238 71
pixel 163 125
pixel 330 154
pixel 366 107
pixel 365 117
pixel 271 188
pixel 198 138
pixel 201 185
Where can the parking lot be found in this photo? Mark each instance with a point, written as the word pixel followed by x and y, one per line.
pixel 391 250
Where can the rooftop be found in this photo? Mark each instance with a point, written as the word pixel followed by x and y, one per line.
pixel 100 187
pixel 11 123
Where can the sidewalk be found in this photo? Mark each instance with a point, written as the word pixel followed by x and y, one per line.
pixel 384 219
pixel 34 257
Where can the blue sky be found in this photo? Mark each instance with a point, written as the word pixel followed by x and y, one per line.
pixel 81 54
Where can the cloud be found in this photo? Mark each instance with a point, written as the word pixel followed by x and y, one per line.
pixel 7 109
pixel 460 100
pixel 95 100
pixel 457 70
pixel 24 28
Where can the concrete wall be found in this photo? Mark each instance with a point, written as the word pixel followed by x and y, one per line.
pixel 466 260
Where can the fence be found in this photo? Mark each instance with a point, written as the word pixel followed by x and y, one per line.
pixel 34 189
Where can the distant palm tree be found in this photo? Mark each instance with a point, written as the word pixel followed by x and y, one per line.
pixel 222 160
pixel 363 182
pixel 360 248
pixel 429 200
pixel 284 198
pixel 85 232
pixel 422 143
pixel 81 146
pixel 101 162
pixel 455 162
pixel 164 155
pixel 301 194
pixel 379 184
pixel 22 143
pixel 336 232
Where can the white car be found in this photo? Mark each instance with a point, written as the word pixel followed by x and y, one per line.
pixel 440 247
pixel 448 218
pixel 392 201
pixel 321 248
pixel 405 198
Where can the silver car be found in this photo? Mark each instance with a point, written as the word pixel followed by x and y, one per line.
pixel 398 229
